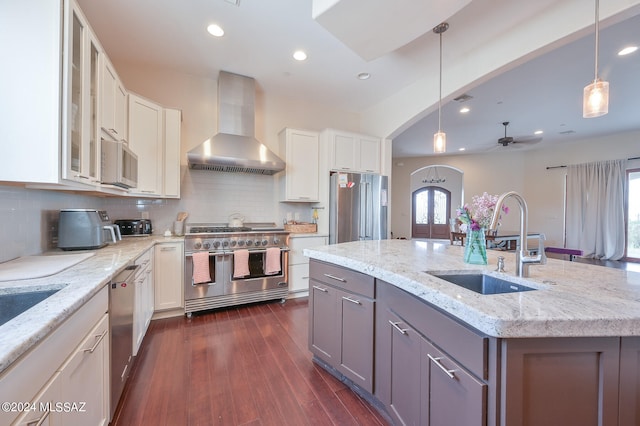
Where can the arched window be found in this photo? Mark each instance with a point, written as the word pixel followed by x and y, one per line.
pixel 430 212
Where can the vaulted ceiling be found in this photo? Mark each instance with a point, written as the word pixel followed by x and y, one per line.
pixel 541 90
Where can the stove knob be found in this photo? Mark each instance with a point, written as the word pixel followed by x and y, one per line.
pixel 206 246
pixel 216 244
pixel 240 243
pixel 249 243
pixel 197 246
pixel 225 243
pixel 265 242
pixel 232 243
pixel 276 241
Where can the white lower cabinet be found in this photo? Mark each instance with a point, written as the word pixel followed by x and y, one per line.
pixel 41 415
pixel 64 380
pixel 144 301
pixel 299 263
pixel 169 276
pixel 84 380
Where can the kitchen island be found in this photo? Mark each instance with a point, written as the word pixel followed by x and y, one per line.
pixel 553 355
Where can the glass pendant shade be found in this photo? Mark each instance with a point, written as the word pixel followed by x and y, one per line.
pixel 440 142
pixel 596 99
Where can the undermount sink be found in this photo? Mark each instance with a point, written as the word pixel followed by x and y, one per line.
pixel 482 283
pixel 13 304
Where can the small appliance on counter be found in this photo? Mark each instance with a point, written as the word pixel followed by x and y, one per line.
pixel 85 229
pixel 134 227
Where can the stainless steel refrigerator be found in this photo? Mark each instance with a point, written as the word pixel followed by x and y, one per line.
pixel 357 207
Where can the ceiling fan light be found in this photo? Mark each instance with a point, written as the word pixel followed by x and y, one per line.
pixel 440 142
pixel 595 102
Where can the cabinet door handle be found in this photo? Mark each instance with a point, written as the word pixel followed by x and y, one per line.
pixel 41 420
pixel 95 345
pixel 357 302
pixel 335 278
pixel 436 361
pixel 168 248
pixel 324 290
pixel 397 327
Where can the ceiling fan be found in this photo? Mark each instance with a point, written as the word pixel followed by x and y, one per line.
pixel 508 140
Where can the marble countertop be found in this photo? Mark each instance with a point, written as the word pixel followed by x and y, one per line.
pixel 571 299
pixel 77 285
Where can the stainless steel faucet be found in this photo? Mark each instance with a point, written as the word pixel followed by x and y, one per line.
pixel 523 257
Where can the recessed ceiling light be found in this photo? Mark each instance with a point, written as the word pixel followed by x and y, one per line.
pixel 215 30
pixel 627 50
pixel 364 76
pixel 299 55
pixel 464 110
pixel 538 132
pixel 462 149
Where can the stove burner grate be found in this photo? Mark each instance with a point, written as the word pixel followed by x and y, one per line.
pixel 214 229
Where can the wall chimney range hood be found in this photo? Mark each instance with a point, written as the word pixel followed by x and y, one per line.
pixel 234 148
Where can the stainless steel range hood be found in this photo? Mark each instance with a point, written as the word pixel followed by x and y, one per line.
pixel 234 148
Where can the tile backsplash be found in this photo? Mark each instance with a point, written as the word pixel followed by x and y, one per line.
pixel 28 217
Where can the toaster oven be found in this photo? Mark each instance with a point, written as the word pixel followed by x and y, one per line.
pixel 134 227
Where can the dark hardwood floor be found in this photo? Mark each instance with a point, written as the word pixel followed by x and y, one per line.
pixel 246 365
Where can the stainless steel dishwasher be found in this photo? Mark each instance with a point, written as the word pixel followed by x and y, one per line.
pixel 121 300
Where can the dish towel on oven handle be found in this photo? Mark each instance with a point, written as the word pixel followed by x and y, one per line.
pixel 240 263
pixel 272 263
pixel 201 272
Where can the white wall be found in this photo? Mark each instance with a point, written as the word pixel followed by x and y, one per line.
pixel 524 172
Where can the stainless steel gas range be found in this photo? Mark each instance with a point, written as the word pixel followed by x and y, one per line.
pixel 227 266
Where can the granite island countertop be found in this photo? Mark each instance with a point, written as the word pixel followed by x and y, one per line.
pixel 571 299
pixel 77 284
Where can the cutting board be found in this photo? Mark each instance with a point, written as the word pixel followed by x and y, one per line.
pixel 29 267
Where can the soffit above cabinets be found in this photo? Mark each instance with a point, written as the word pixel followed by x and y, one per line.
pixel 373 28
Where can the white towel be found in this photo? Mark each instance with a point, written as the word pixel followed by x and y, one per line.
pixel 201 272
pixel 240 263
pixel 272 263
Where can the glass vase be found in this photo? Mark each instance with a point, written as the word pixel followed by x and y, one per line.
pixel 475 249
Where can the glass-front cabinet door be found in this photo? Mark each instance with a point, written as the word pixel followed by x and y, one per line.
pixel 80 143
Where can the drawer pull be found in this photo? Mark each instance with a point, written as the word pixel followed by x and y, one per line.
pixel 397 327
pixel 348 299
pixel 41 420
pixel 436 361
pixel 324 290
pixel 335 278
pixel 95 345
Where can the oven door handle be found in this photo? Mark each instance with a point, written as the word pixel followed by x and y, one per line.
pixel 265 250
pixel 214 254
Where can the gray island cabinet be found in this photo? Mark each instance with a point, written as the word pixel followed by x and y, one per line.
pixel 341 329
pixel 408 350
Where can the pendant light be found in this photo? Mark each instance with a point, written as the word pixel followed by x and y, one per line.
pixel 440 138
pixel 595 101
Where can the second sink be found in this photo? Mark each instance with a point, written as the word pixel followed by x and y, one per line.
pixel 13 304
pixel 483 283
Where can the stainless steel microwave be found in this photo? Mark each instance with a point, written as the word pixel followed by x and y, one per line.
pixel 119 165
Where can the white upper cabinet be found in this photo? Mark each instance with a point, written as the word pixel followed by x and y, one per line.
pixel 171 170
pixel 114 109
pixel 65 96
pixel 352 152
pixel 154 136
pixel 300 181
pixel 50 124
pixel 145 140
pixel 80 137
